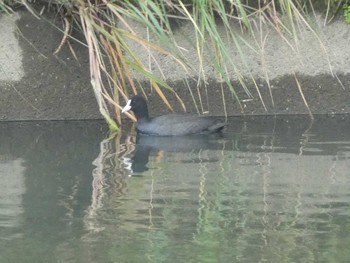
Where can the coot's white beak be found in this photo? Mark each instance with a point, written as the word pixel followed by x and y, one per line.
pixel 127 107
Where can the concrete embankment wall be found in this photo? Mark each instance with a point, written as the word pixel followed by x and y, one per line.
pixel 38 85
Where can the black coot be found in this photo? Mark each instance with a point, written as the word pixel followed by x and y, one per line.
pixel 171 124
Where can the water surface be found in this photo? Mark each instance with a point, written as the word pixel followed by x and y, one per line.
pixel 266 190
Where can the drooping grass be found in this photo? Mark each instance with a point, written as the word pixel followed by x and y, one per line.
pixel 114 82
pixel 109 29
pixel 5 7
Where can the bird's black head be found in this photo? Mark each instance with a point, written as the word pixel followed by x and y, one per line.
pixel 138 105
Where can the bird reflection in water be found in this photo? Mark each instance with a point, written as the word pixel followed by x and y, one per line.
pixel 151 145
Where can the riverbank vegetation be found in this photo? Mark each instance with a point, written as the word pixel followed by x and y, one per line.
pixel 116 32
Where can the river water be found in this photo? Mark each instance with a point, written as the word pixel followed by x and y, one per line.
pixel 268 189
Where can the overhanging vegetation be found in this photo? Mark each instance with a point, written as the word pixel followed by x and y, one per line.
pixel 110 35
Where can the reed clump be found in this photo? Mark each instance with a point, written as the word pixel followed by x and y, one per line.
pixel 110 36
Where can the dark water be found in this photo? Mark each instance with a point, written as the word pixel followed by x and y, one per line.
pixel 266 190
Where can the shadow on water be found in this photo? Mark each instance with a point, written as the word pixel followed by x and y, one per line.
pixel 274 189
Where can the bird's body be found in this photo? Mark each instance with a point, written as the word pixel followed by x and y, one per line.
pixel 171 124
pixel 179 124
